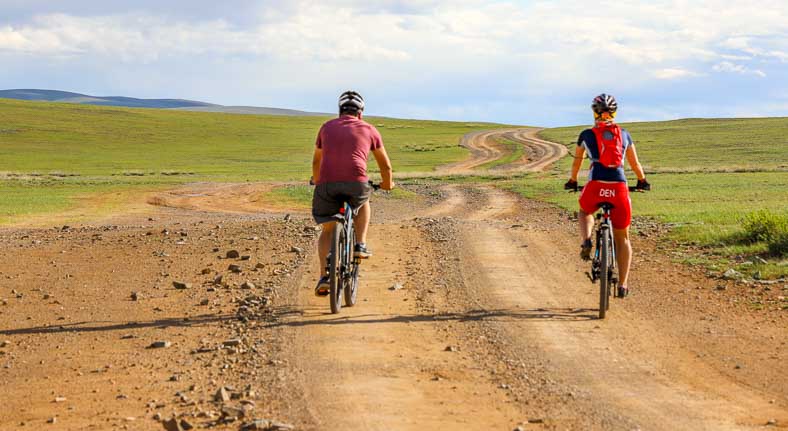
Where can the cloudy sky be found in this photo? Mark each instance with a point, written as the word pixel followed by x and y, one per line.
pixel 520 62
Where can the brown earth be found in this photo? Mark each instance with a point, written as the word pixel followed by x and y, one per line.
pixel 485 147
pixel 474 314
pixel 494 327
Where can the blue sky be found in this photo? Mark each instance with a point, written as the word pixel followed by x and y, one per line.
pixel 536 63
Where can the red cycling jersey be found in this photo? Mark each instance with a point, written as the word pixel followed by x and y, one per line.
pixel 346 142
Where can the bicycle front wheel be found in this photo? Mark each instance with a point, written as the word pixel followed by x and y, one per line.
pixel 335 268
pixel 604 274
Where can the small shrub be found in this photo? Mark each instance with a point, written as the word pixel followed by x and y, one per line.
pixel 779 245
pixel 764 226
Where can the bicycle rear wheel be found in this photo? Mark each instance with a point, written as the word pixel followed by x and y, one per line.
pixel 335 268
pixel 604 274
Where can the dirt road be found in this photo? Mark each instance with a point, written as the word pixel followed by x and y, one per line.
pixel 474 314
pixel 486 147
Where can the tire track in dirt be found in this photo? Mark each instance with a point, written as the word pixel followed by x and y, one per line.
pixel 244 198
pixel 624 372
pixel 382 365
pixel 539 154
pixel 485 147
pixel 251 198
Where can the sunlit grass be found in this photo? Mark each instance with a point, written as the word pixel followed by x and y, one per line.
pixel 52 153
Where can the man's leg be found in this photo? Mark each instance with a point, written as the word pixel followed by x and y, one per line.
pixel 623 254
pixel 324 245
pixel 361 223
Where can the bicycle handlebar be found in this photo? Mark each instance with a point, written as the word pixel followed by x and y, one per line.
pixel 631 189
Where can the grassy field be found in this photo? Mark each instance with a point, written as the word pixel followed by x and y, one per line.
pixel 51 154
pixel 707 176
pixel 703 144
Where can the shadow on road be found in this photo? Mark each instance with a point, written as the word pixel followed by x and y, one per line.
pixel 315 317
pixel 111 326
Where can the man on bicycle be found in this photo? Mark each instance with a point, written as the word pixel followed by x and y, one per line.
pixel 339 171
pixel 606 144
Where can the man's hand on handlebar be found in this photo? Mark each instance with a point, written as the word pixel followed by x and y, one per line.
pixel 571 185
pixel 387 185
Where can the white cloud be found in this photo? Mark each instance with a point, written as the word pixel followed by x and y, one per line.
pixel 439 48
pixel 676 73
pixel 727 66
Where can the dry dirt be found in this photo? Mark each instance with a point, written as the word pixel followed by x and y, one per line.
pixel 485 147
pixel 474 314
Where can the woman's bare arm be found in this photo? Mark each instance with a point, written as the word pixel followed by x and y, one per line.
pixel 632 159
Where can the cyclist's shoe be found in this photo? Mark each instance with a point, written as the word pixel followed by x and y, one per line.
pixel 361 251
pixel 585 250
pixel 323 287
pixel 623 291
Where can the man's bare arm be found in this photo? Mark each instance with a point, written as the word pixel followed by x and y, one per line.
pixel 386 171
pixel 317 158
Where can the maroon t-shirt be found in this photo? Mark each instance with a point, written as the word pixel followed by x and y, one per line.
pixel 346 142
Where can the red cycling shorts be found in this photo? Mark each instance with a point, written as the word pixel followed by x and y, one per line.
pixel 596 192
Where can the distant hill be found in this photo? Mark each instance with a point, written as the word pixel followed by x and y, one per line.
pixel 68 97
pixel 130 102
pixel 254 110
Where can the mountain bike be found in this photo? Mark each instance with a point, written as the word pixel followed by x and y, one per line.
pixel 342 266
pixel 604 267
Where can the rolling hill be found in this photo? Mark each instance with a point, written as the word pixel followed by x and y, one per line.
pixel 131 102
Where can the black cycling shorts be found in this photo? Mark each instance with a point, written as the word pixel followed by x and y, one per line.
pixel 330 197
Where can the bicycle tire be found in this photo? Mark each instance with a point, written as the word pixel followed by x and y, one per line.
pixel 604 274
pixel 335 269
pixel 351 284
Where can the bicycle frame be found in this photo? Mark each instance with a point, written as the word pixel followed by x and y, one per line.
pixel 346 225
pixel 342 266
pixel 604 227
pixel 350 236
pixel 342 269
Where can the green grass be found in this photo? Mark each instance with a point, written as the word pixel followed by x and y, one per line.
pixel 707 175
pixel 291 195
pixel 25 198
pixel 514 153
pixel 51 153
pixel 702 144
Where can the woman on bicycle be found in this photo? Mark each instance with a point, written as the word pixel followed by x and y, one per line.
pixel 607 144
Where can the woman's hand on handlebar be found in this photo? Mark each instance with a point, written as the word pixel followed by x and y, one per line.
pixel 571 185
pixel 643 185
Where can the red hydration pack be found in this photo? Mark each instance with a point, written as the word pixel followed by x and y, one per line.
pixel 610 144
